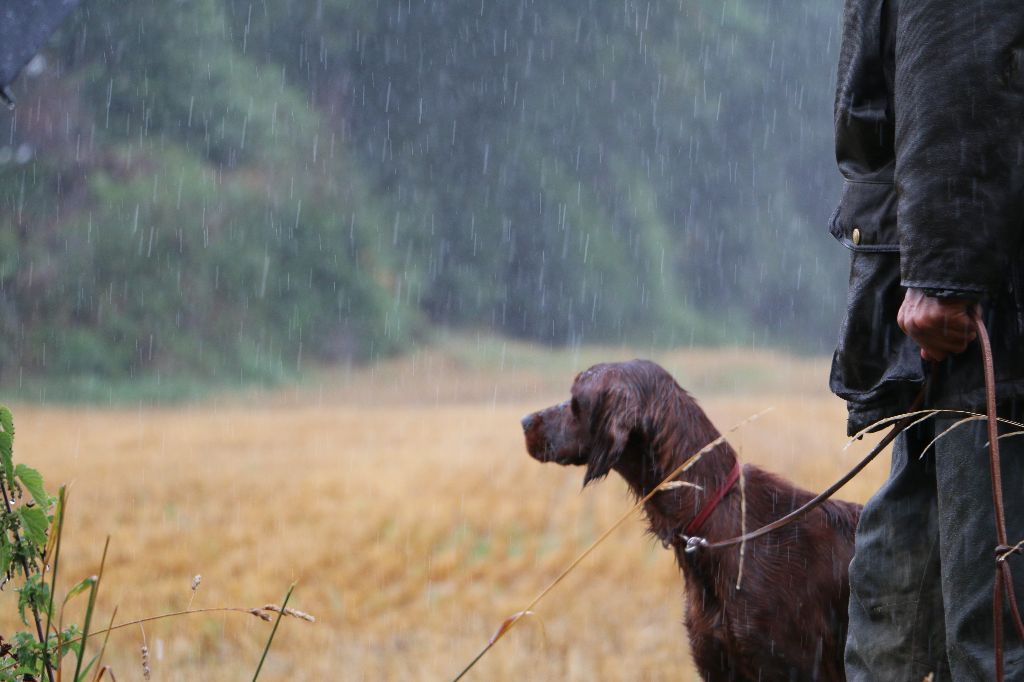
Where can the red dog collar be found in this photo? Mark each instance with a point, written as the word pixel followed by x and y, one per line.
pixel 693 527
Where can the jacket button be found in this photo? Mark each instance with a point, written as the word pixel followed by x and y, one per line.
pixel 856 235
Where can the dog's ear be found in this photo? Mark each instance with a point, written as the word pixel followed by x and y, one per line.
pixel 614 416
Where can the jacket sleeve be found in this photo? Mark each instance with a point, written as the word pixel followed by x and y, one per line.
pixel 959 108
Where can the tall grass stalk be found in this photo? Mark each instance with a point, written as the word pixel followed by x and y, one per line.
pixel 56 531
pixel 93 591
pixel 103 648
pixel 280 615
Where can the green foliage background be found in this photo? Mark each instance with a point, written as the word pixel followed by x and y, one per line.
pixel 227 189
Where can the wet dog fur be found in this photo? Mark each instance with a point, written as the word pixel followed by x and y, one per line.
pixel 788 620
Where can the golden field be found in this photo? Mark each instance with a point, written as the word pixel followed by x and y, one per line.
pixel 401 499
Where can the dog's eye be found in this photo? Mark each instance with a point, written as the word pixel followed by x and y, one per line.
pixel 575 407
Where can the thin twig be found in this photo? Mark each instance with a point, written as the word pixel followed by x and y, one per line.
pixel 870 428
pixel 958 423
pixel 743 526
pixel 173 614
pixel 1009 434
pixel 1004 555
pixel 103 647
pixel 672 485
pixel 103 671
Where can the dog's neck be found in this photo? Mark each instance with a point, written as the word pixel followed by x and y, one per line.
pixel 674 432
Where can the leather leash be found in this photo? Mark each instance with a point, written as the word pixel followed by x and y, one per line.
pixel 1003 578
pixel 693 542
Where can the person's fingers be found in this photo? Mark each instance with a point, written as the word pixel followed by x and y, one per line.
pixel 942 342
pixel 956 327
pixel 933 356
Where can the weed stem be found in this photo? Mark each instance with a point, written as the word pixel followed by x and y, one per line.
pixel 24 566
pixel 173 614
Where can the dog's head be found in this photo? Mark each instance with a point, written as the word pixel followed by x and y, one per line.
pixel 597 425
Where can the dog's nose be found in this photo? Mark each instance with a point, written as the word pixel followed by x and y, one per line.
pixel 527 422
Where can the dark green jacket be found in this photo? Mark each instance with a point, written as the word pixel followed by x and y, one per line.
pixel 929 120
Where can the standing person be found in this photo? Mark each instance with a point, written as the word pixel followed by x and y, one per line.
pixel 929 117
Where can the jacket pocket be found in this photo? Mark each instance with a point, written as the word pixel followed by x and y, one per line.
pixel 865 219
pixel 875 366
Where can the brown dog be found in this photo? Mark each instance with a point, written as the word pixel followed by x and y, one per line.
pixel 788 622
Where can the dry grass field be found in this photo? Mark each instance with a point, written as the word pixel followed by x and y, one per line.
pixel 401 499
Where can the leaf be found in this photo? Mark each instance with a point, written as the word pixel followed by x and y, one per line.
pixel 32 595
pixel 7 420
pixel 79 588
pixel 35 523
pixel 33 480
pixel 6 553
pixel 88 614
pixel 7 441
pixel 7 453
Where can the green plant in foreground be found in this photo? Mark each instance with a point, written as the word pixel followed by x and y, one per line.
pixel 26 526
pixel 32 523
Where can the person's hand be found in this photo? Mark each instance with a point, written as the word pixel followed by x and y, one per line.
pixel 940 326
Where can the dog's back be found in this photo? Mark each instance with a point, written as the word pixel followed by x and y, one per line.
pixel 787 620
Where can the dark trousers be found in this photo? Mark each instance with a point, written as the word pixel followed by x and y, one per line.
pixel 922 575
